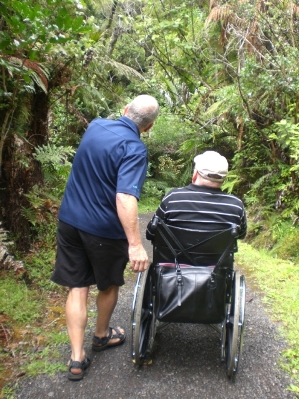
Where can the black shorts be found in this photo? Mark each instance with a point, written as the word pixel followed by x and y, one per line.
pixel 83 259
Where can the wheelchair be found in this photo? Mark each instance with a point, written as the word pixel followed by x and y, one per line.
pixel 169 291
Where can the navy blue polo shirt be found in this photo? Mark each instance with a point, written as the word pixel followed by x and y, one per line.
pixel 110 159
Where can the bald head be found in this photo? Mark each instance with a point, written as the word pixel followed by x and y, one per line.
pixel 143 110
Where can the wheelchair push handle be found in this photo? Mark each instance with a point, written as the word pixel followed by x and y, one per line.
pixel 155 222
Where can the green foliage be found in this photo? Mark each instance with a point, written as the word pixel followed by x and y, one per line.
pixel 31 31
pixel 287 239
pixel 55 164
pixel 44 201
pixel 223 83
pixel 288 137
pixel 58 337
pixel 44 362
pixel 168 133
pixel 218 91
pixel 18 301
pixel 129 52
pixel 7 393
pixel 235 92
pixel 43 366
pixel 148 204
pixel 65 128
pixel 168 162
pixel 42 213
pixel 169 169
pixel 40 264
pixel 154 188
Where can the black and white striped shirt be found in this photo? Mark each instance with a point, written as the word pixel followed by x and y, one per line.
pixel 201 208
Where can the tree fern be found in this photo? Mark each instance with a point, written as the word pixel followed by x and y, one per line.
pixel 53 155
pixel 38 73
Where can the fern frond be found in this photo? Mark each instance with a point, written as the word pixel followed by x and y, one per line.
pixel 29 89
pixel 30 214
pixel 38 72
pixel 123 69
pixel 218 13
pixel 38 80
pixel 217 108
pixel 50 153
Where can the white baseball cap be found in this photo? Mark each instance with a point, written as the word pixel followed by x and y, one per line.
pixel 211 166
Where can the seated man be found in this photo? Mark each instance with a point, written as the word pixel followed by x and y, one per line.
pixel 202 205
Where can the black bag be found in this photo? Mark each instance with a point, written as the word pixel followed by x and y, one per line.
pixel 188 293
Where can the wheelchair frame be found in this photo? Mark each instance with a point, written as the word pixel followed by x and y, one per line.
pixel 231 330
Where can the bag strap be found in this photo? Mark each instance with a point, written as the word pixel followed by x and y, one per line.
pixel 170 233
pixel 179 277
pixel 234 231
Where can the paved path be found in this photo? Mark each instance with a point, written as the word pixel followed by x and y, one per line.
pixel 186 363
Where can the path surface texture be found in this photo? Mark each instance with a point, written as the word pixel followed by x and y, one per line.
pixel 185 362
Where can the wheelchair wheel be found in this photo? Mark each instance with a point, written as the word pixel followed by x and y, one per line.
pixel 235 326
pixel 143 318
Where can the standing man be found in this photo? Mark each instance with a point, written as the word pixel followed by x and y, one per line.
pixel 202 205
pixel 98 230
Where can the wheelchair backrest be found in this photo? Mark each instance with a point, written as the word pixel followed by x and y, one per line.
pixel 205 247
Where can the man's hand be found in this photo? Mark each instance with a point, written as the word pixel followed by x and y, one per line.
pixel 138 258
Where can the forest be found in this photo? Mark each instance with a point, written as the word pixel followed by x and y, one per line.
pixel 225 74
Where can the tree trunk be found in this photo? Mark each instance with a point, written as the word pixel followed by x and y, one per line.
pixel 20 171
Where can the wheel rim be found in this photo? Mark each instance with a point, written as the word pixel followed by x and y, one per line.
pixel 223 335
pixel 233 328
pixel 143 320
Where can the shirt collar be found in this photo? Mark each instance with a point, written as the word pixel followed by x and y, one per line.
pixel 131 124
pixel 203 189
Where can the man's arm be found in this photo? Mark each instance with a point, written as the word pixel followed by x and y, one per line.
pixel 127 211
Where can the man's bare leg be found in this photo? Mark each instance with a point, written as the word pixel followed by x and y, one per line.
pixel 106 302
pixel 76 320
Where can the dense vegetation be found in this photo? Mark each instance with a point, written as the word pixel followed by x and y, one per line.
pixel 226 75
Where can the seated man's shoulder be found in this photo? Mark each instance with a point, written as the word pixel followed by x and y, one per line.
pixel 173 191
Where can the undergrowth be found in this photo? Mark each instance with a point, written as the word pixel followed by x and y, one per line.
pixel 17 301
pixel 148 205
pixel 279 281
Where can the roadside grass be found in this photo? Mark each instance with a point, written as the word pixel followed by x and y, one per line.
pixel 44 362
pixel 17 301
pixel 279 281
pixel 31 327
